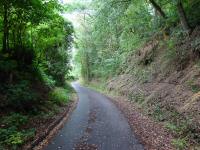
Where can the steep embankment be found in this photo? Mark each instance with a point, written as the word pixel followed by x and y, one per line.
pixel 163 77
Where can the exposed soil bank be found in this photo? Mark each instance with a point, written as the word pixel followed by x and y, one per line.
pixel 163 79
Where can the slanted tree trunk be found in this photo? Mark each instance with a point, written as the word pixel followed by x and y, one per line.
pixel 158 8
pixel 182 16
pixel 161 13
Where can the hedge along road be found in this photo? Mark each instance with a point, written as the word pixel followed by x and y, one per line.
pixel 96 123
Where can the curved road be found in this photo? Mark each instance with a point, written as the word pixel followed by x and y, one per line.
pixel 96 123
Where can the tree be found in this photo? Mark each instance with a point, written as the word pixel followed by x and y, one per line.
pixel 182 16
pixel 158 9
pixel 118 28
pixel 6 10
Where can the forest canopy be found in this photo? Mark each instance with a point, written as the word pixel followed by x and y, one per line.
pixel 117 28
pixel 34 33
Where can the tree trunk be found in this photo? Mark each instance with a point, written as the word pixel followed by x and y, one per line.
pixel 183 17
pixel 158 8
pixel 5 29
pixel 14 38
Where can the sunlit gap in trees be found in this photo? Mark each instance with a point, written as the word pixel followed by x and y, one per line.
pixel 76 17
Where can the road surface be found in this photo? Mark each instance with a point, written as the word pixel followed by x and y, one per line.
pixel 96 123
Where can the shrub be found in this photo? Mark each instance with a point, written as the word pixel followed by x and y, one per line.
pixel 16 138
pixel 194 87
pixel 15 119
pixel 68 87
pixel 58 64
pixel 158 113
pixel 172 127
pixel 59 96
pixel 13 138
pixel 171 51
pixel 23 55
pixel 20 96
pixel 41 70
pixel 10 137
pixel 8 65
pixel 180 144
pixel 138 98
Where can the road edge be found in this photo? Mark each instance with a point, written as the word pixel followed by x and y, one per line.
pixel 42 141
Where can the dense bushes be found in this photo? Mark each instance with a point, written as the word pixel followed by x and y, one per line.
pixel 11 136
pixel 59 96
pixel 39 54
pixel 58 64
pixel 12 139
pixel 21 97
pixel 35 42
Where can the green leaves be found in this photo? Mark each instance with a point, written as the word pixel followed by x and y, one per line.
pixel 116 29
pixel 10 135
pixel 74 7
pixel 21 97
pixel 35 58
pixel 59 96
pixel 15 119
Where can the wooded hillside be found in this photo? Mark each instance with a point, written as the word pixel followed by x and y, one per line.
pixel 116 29
pixel 35 42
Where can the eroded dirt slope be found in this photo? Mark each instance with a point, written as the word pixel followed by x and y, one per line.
pixel 171 92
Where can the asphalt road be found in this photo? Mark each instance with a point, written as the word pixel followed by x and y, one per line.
pixel 96 123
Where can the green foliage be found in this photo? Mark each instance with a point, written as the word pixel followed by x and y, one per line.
pixel 116 29
pixel 44 77
pixel 53 60
pixel 75 7
pixel 20 96
pixel 180 144
pixel 68 87
pixel 171 127
pixel 15 119
pixel 58 65
pixel 35 43
pixel 11 135
pixel 171 52
pixel 194 87
pixel 34 37
pixel 15 139
pixel 138 98
pixel 59 96
pixel 158 113
pixel 8 65
pixel 177 129
pixel 12 138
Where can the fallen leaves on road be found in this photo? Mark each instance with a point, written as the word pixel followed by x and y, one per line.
pixel 152 134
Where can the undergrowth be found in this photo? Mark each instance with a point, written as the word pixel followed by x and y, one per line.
pixel 59 96
pixel 25 105
pixel 12 133
pixel 182 128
